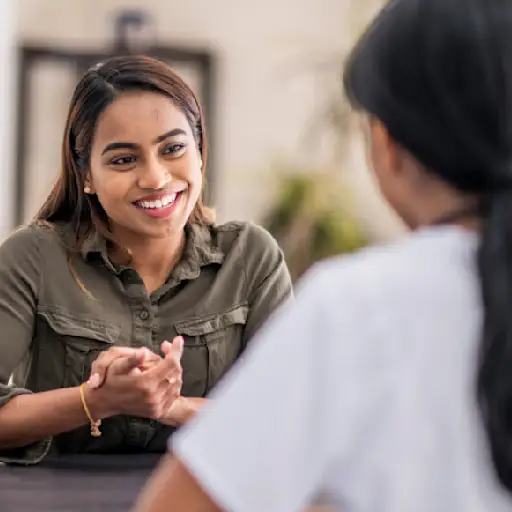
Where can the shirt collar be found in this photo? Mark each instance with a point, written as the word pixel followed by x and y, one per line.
pixel 200 250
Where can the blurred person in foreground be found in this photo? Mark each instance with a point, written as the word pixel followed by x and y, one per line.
pixel 387 386
pixel 122 256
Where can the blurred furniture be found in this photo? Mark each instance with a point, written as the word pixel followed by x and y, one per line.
pixel 312 219
pixel 81 483
pixel 77 483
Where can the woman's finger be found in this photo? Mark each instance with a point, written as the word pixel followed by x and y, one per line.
pixel 170 364
pixel 100 367
pixel 124 365
pixel 176 345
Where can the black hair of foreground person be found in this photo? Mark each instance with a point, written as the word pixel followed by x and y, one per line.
pixel 460 128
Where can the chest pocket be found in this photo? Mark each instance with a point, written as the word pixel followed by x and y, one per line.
pixel 80 340
pixel 212 345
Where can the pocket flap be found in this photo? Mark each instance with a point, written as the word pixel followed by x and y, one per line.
pixel 72 324
pixel 212 323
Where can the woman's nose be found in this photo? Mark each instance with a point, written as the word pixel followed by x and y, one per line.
pixel 154 175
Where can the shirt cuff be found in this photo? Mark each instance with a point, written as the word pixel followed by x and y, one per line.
pixel 24 455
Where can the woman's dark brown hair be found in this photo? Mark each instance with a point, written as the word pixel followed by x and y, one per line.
pixel 67 203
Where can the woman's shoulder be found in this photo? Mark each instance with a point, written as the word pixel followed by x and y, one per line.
pixel 248 239
pixel 420 263
pixel 244 232
pixel 32 238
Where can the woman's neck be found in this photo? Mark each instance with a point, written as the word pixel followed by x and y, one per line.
pixel 153 258
pixel 439 204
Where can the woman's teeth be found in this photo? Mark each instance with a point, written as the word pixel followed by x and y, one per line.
pixel 159 203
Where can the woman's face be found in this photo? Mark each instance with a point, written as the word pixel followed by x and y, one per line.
pixel 145 166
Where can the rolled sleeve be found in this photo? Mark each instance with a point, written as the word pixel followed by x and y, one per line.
pixel 26 455
pixel 19 288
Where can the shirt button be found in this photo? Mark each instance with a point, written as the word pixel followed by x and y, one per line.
pixel 144 315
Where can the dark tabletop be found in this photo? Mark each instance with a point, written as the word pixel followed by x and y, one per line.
pixel 78 483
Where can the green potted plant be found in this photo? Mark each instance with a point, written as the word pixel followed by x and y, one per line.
pixel 311 220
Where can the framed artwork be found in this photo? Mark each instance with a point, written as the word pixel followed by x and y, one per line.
pixel 46 81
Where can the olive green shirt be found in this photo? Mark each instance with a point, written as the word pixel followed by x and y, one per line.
pixel 229 280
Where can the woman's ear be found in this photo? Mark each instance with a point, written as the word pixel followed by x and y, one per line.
pixel 391 157
pixel 88 188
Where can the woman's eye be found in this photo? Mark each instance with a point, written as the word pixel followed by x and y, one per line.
pixel 123 160
pixel 173 148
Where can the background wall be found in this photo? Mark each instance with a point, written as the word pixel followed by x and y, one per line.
pixel 7 125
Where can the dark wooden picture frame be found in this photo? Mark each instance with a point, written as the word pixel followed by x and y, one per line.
pixel 78 61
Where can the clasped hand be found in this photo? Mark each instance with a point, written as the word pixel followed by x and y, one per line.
pixel 137 382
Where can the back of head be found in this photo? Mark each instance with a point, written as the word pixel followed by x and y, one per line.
pixel 438 75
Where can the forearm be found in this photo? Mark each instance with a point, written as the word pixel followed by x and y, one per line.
pixel 26 419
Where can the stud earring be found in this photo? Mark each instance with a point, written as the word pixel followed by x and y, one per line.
pixel 87 190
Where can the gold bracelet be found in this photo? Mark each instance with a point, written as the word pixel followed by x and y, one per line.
pixel 95 424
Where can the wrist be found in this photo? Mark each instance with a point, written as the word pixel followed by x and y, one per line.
pixel 177 414
pixel 183 410
pixel 192 407
pixel 97 405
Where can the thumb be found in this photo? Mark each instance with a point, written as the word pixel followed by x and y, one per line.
pixel 124 365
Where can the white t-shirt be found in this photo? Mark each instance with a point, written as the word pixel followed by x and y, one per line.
pixel 363 391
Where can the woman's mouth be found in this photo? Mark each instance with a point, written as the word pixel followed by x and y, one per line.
pixel 159 207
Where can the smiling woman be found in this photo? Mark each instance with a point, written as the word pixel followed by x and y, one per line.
pixel 122 256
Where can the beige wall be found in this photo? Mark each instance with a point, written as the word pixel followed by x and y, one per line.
pixel 7 131
pixel 266 89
